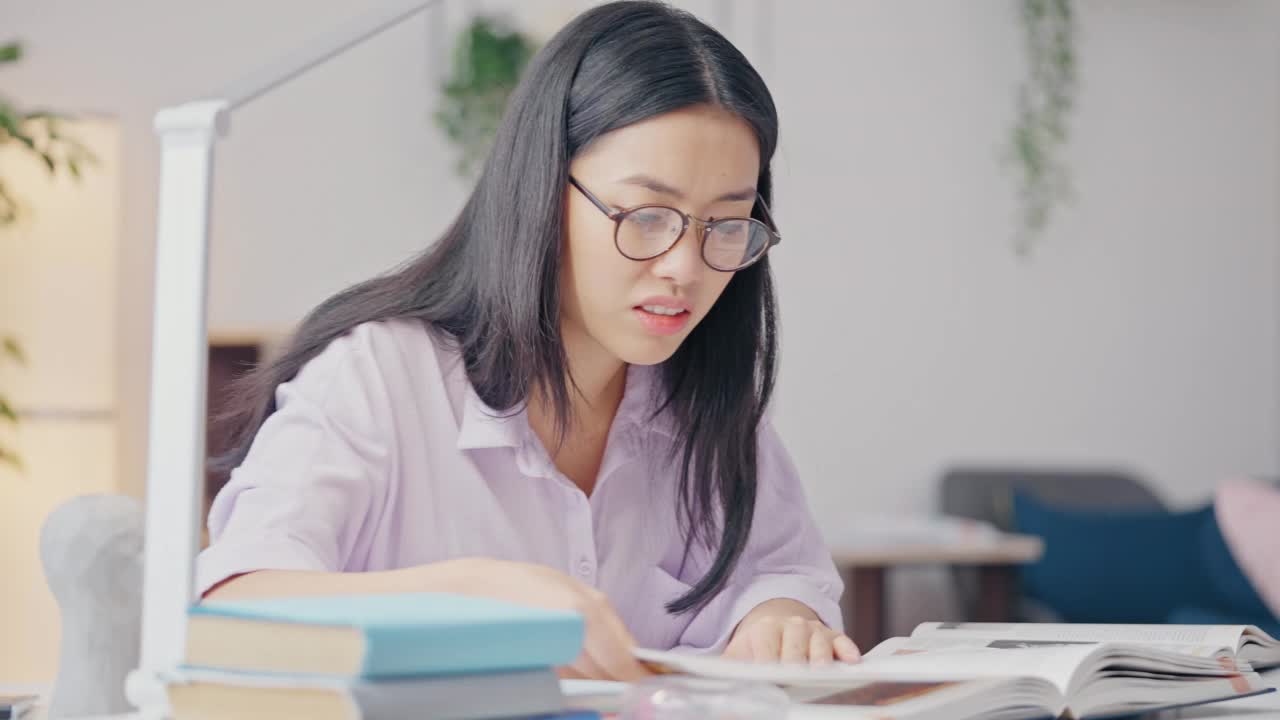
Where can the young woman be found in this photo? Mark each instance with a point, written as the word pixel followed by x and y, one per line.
pixel 563 401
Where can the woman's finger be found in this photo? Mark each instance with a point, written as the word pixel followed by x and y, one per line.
pixel 795 640
pixel 586 668
pixel 846 651
pixel 569 672
pixel 612 647
pixel 821 650
pixel 766 640
pixel 617 663
pixel 739 647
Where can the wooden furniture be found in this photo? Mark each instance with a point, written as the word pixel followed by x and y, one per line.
pixel 232 353
pixel 864 570
pixel 227 361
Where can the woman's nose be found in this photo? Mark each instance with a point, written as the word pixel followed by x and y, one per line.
pixel 683 264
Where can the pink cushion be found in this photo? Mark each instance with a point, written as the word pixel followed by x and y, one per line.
pixel 1248 514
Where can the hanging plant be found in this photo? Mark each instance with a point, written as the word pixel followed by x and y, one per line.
pixel 1045 100
pixel 486 67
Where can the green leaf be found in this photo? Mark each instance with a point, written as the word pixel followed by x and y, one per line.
pixel 9 346
pixel 8 206
pixel 6 411
pixel 487 62
pixel 1044 102
pixel 81 152
pixel 8 457
pixel 11 123
pixel 10 52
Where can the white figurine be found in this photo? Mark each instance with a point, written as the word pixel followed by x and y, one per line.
pixel 91 548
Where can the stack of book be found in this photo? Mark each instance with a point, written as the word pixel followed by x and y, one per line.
pixel 374 657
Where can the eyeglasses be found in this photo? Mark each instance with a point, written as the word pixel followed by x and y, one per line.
pixel 648 231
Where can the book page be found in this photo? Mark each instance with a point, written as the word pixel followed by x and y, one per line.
pixel 878 699
pixel 1201 640
pixel 908 684
pixel 1055 662
pixel 1053 665
pixel 934 643
pixel 664 662
pixel 1077 660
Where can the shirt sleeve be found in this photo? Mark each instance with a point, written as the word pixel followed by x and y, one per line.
pixel 785 557
pixel 316 471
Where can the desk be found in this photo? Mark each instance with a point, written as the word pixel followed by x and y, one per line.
pixel 1266 707
pixel 864 569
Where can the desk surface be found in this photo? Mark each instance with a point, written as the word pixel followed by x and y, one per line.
pixel 1007 550
pixel 1264 707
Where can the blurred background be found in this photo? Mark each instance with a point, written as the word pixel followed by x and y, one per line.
pixel 1029 242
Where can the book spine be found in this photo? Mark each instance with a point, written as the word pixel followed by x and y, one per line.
pixel 471 648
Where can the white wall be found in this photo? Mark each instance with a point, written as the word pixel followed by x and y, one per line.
pixel 1143 333
pixel 116 60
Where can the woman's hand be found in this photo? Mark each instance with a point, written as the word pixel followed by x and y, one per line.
pixel 607 649
pixel 787 631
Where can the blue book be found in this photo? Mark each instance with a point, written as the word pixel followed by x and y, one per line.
pixel 379 636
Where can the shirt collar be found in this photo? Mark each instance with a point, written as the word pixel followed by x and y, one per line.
pixel 641 398
pixel 483 427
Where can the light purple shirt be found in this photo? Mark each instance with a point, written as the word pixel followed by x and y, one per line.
pixel 381 456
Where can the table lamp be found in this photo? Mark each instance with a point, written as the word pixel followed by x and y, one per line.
pixel 176 455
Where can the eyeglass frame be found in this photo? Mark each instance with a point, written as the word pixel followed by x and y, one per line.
pixel 775 238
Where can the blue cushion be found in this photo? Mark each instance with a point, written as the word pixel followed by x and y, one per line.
pixel 1150 567
pixel 1229 590
pixel 1113 566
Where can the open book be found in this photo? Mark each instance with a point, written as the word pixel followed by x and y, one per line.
pixel 1013 671
pixel 1245 643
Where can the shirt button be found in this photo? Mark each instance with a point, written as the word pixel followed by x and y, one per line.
pixel 584 568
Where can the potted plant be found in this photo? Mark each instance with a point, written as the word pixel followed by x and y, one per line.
pixel 1045 100
pixel 486 67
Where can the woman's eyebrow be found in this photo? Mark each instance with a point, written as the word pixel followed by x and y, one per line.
pixel 651 183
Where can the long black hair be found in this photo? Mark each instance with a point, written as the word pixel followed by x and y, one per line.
pixel 492 281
